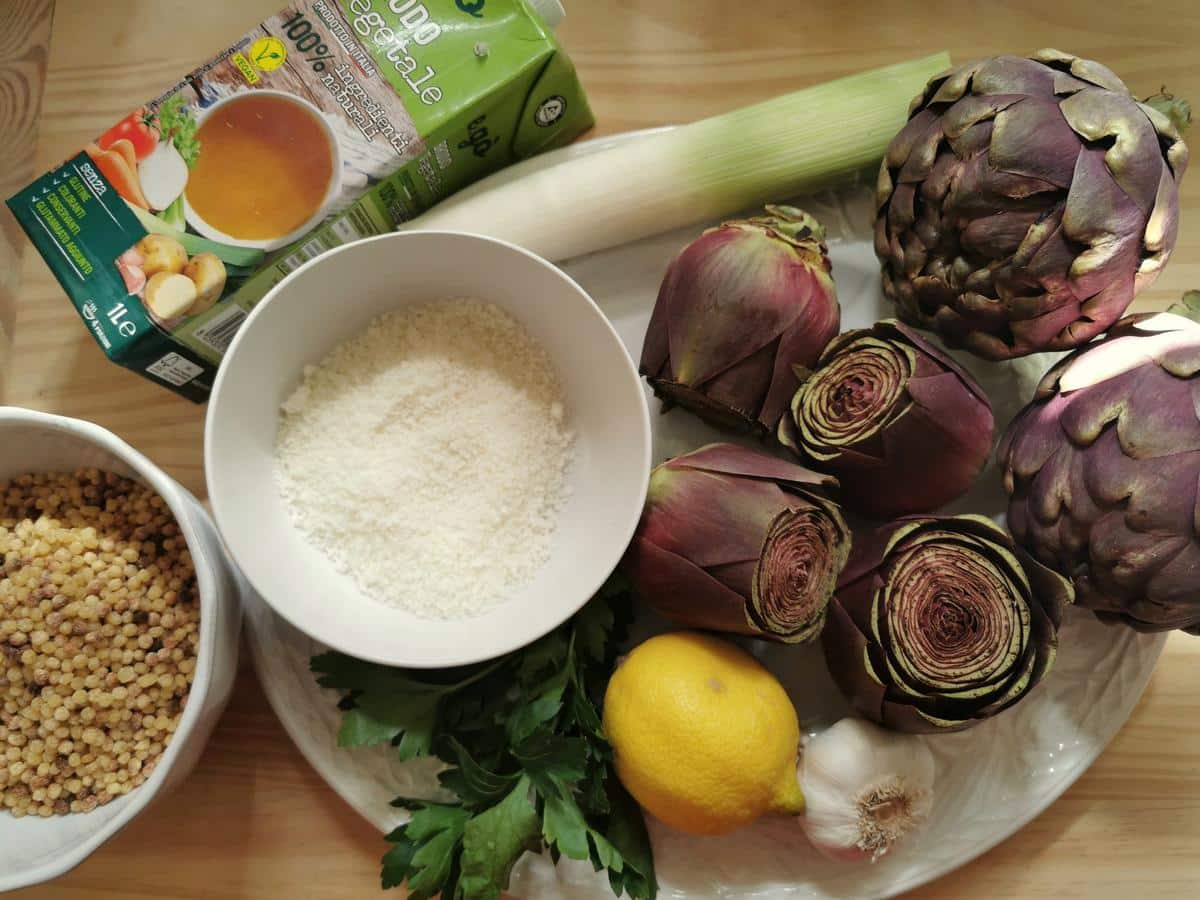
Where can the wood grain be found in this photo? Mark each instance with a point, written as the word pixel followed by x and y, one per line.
pixel 254 821
pixel 24 36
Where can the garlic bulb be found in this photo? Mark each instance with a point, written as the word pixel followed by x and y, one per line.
pixel 864 789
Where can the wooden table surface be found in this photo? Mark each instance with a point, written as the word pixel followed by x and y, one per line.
pixel 255 821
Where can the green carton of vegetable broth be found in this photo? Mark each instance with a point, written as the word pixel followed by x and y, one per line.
pixel 330 121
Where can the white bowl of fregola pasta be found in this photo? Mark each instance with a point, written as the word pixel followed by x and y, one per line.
pixel 119 617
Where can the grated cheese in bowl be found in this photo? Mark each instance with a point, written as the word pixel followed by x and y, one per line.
pixel 427 457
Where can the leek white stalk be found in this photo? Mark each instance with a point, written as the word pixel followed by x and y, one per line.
pixel 864 789
pixel 770 151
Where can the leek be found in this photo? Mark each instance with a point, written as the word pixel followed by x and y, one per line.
pixel 173 214
pixel 247 258
pixel 770 151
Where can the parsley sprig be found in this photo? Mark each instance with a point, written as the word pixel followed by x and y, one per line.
pixel 176 124
pixel 529 762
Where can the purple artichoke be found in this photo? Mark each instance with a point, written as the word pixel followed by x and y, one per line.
pixel 1102 471
pixel 938 623
pixel 740 307
pixel 903 427
pixel 1026 202
pixel 736 540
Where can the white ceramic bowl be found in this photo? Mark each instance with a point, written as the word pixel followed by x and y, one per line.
pixel 33 849
pixel 335 297
pixel 331 190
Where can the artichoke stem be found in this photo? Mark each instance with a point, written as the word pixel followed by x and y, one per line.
pixel 1178 110
pixel 1188 306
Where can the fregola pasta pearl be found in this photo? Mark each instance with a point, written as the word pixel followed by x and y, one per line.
pixel 99 623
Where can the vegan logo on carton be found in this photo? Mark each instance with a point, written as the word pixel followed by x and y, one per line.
pixel 268 54
pixel 471 7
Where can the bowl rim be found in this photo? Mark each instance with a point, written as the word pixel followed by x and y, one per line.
pixel 216 493
pixel 183 507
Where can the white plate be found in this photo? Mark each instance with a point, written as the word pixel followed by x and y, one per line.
pixel 992 779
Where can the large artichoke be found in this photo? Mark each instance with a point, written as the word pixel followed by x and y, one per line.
pixel 739 308
pixel 901 425
pixel 938 623
pixel 1103 469
pixel 1026 202
pixel 736 540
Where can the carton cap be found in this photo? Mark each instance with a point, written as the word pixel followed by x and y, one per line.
pixel 551 11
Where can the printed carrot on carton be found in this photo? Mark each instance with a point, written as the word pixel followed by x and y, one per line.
pixel 122 176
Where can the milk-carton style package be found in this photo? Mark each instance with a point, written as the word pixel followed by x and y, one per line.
pixel 330 121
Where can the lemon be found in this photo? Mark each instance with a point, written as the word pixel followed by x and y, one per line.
pixel 704 737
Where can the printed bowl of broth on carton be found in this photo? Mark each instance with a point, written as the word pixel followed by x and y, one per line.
pixel 330 121
pixel 269 169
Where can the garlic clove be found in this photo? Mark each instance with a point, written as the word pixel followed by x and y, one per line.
pixel 865 789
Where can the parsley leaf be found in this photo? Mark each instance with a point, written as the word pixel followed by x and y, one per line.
pixel 528 759
pixel 360 730
pixel 425 851
pixel 387 707
pixel 494 840
pixel 593 625
pixel 386 704
pixel 546 756
pixel 175 123
pixel 540 706
pixel 626 832
pixel 543 655
pixel 584 710
pixel 472 782
pixel 563 825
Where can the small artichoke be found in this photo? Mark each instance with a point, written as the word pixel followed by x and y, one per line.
pixel 1102 471
pixel 903 427
pixel 740 307
pixel 938 623
pixel 735 540
pixel 1026 202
